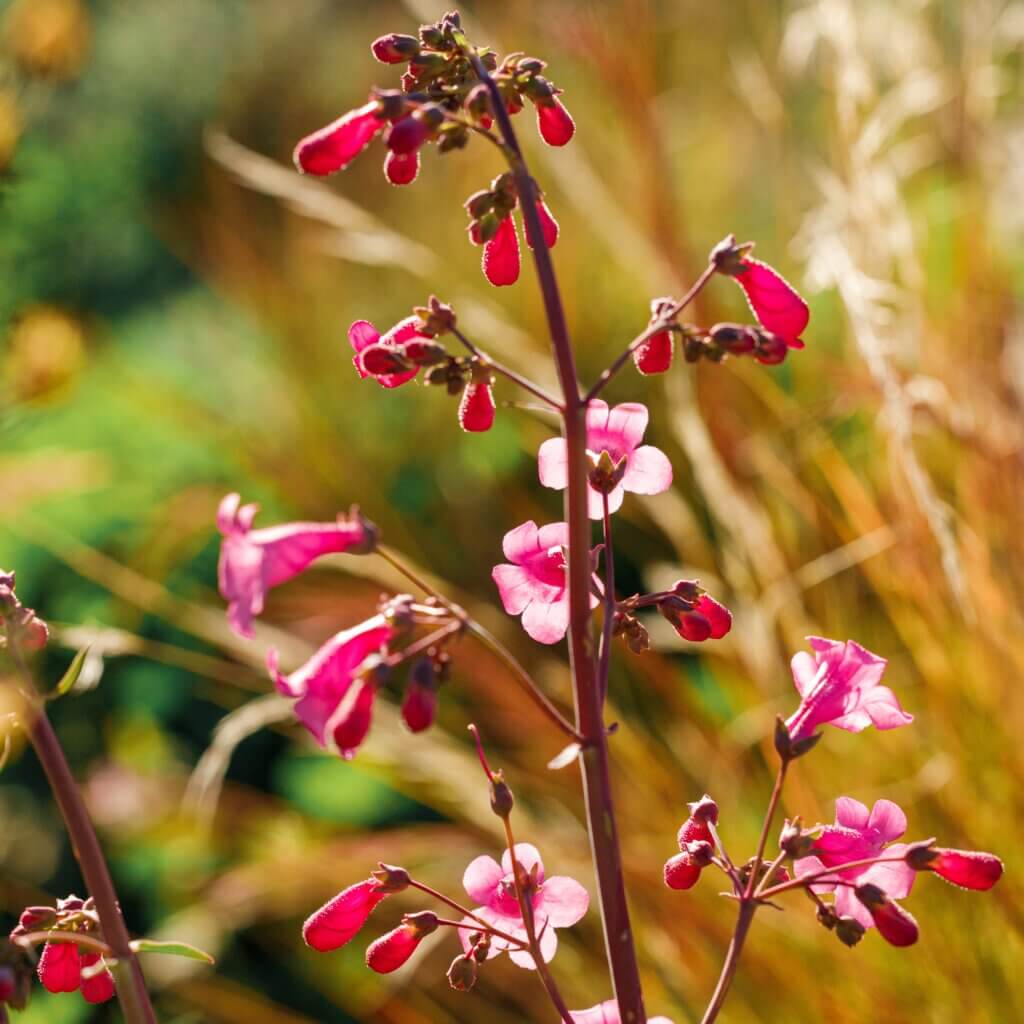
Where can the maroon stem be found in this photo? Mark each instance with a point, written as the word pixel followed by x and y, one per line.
pixel 732 959
pixel 597 789
pixel 131 986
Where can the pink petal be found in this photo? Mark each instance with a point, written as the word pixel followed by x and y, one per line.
pixel 99 988
pixel 847 905
pixel 563 901
pixel 648 471
pixel 884 709
pixel 553 535
pixel 548 225
pixel 852 813
pixel 597 416
pixel 775 302
pixel 59 967
pixel 339 143
pixel 290 548
pixel 607 1013
pixel 595 502
pixel 501 255
pixel 628 422
pixel 481 879
pixel 362 334
pixel 969 869
pixel 339 920
pixel 805 672
pixel 241 582
pixel 548 939
pixel 476 409
pixel 554 123
pixel 520 543
pixel 655 354
pixel 546 623
pixel 811 866
pixel 527 854
pixel 553 464
pixel 895 878
pixel 515 587
pixel 401 168
pixel 888 820
pixel 350 722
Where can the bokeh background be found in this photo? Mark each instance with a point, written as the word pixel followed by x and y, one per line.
pixel 174 302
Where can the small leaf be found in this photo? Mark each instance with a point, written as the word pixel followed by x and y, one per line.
pixel 171 949
pixel 565 758
pixel 72 674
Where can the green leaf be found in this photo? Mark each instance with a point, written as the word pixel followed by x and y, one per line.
pixel 171 949
pixel 72 674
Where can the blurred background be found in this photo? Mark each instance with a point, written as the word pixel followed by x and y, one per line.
pixel 174 300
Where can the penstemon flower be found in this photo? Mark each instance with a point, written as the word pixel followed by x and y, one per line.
pixel 339 920
pixel 394 358
pixel 253 561
pixel 616 432
pixel 557 902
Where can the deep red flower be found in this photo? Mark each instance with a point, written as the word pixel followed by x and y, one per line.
pixel 339 920
pixel 501 255
pixel 548 225
pixel 100 987
pixel 554 122
pixel 970 869
pixel 59 967
pixel 476 409
pixel 390 951
pixel 401 168
pixel 335 146
pixel 367 341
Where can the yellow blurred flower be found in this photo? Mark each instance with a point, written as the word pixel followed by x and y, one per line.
pixel 48 37
pixel 46 348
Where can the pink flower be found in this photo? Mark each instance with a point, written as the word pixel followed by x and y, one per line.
pixel 840 685
pixel 253 561
pixel 557 902
pixel 535 584
pixel 970 869
pixel 336 146
pixel 401 168
pixel 554 122
pixel 501 255
pixel 334 691
pixel 775 302
pixel 476 408
pixel 392 950
pixel 100 987
pixel 368 342
pixel 607 1013
pixel 618 432
pixel 339 920
pixel 60 967
pixel 861 835
pixel 695 615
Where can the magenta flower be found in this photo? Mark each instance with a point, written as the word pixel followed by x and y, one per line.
pixel 100 987
pixel 401 168
pixel 896 925
pixel 59 967
pixel 860 835
pixel 340 919
pixel 385 356
pixel 334 147
pixel 618 432
pixel 476 408
pixel 840 685
pixel 969 869
pixel 683 870
pixel 655 354
pixel 554 122
pixel 334 691
pixel 774 301
pixel 607 1013
pixel 253 561
pixel 392 950
pixel 694 614
pixel 501 255
pixel 535 585
pixel 557 902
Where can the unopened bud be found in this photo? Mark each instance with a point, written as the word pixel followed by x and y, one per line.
pixel 920 855
pixel 502 800
pixel 827 917
pixel 539 89
pixel 451 137
pixel 849 931
pixel 771 349
pixel 728 255
pixel 424 922
pixel 462 973
pixel 395 48
pixel 531 65
pixel 391 878
pixel 693 349
pixel 704 809
pixel 391 104
pixel 794 841
pixel 734 338
pixel 700 852
pixel 478 102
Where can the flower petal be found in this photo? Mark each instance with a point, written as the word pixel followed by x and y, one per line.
pixel 563 901
pixel 852 813
pixel 547 623
pixel 649 471
pixel 481 878
pixel 516 587
pixel 553 463
pixel 888 819
pixel 520 543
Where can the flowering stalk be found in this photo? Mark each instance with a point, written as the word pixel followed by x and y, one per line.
pixel 131 986
pixel 587 689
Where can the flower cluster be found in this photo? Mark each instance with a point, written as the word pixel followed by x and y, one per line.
pixel 65 966
pixel 20 625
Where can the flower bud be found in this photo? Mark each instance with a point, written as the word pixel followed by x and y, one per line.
pixel 827 917
pixel 432 36
pixel 794 841
pixel 426 66
pixel 462 973
pixel 896 925
pixel 680 872
pixel 771 349
pixel 452 136
pixel 395 48
pixel 392 950
pixel 703 811
pixel 35 919
pixel 733 338
pixel 339 920
pixel 476 410
pixel 969 869
pixel 554 122
pixel 419 708
pixel 424 353
pixel 479 203
pixel 693 349
pixel 502 800
pixel 390 878
pixel 727 256
pixel 407 135
pixel 478 103
pixel 849 931
pixel 401 168
pixel 700 852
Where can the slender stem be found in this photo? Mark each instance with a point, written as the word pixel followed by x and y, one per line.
pixel 523 677
pixel 804 880
pixel 131 986
pixel 424 643
pixel 609 600
pixel 466 912
pixel 727 864
pixel 769 873
pixel 732 959
pixel 475 927
pixel 530 924
pixel 517 378
pixel 663 323
pixel 773 802
pixel 597 790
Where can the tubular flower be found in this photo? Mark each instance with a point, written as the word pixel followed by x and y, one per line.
pixel 60 967
pixel 334 147
pixel 534 585
pixel 683 870
pixel 557 902
pixel 99 987
pixel 969 869
pixel 840 685
pixel 640 469
pixel 607 1013
pixel 655 354
pixel 774 301
pixel 392 950
pixel 896 925
pixel 548 225
pixel 501 255
pixel 694 614
pixel 554 122
pixel 386 357
pixel 859 834
pixel 476 408
pixel 401 168
pixel 334 691
pixel 339 920
pixel 253 561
